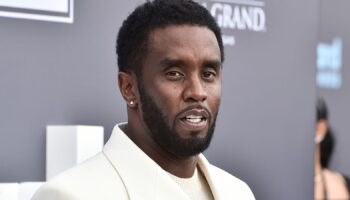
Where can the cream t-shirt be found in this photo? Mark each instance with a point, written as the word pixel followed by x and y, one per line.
pixel 196 187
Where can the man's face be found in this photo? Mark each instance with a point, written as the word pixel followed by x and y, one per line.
pixel 180 88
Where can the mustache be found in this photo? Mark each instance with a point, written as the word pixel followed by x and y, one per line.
pixel 195 106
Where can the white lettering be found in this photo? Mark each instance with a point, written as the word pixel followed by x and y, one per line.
pixel 239 17
pixel 236 18
pixel 228 40
pixel 247 17
pixel 259 19
pixel 217 7
pixel 227 13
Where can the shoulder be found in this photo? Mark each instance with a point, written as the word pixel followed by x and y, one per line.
pixel 334 177
pixel 228 179
pixel 336 184
pixel 222 183
pixel 230 185
pixel 93 179
pixel 347 180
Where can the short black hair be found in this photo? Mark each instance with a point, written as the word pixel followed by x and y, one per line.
pixel 328 142
pixel 321 109
pixel 134 33
pixel 326 148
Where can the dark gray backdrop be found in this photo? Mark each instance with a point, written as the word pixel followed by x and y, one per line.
pixel 334 22
pixel 53 73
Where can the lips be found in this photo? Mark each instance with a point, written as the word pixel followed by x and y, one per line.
pixel 194 119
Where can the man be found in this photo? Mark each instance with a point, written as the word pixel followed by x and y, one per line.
pixel 170 56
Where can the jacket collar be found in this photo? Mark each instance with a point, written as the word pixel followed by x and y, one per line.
pixel 205 167
pixel 143 178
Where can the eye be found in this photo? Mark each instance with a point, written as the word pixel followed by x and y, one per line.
pixel 209 75
pixel 174 75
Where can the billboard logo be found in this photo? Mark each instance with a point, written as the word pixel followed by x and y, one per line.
pixel 329 64
pixel 53 10
pixel 241 15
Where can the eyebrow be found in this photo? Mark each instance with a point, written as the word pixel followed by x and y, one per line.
pixel 212 63
pixel 166 62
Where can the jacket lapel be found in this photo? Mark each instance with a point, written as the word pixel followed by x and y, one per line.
pixel 142 177
pixel 204 166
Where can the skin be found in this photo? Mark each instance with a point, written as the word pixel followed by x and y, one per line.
pixel 335 183
pixel 182 68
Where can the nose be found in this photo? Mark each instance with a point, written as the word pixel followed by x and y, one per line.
pixel 195 90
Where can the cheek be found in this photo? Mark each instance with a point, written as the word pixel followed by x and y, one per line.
pixel 214 98
pixel 168 99
pixel 166 93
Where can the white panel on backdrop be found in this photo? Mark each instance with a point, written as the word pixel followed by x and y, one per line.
pixel 53 10
pixel 52 5
pixel 9 191
pixel 18 191
pixel 67 146
pixel 27 190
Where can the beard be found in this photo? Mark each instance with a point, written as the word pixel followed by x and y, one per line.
pixel 166 136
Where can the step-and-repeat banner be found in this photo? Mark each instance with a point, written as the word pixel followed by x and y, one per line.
pixel 63 73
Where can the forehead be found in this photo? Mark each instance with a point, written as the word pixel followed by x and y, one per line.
pixel 177 40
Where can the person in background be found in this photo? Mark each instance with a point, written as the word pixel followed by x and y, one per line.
pixel 329 185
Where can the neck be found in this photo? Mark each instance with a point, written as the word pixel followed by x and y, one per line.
pixel 183 168
pixel 180 167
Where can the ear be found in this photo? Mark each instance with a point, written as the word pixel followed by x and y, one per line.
pixel 321 130
pixel 127 87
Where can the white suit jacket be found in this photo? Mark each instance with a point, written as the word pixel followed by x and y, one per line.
pixel 123 171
